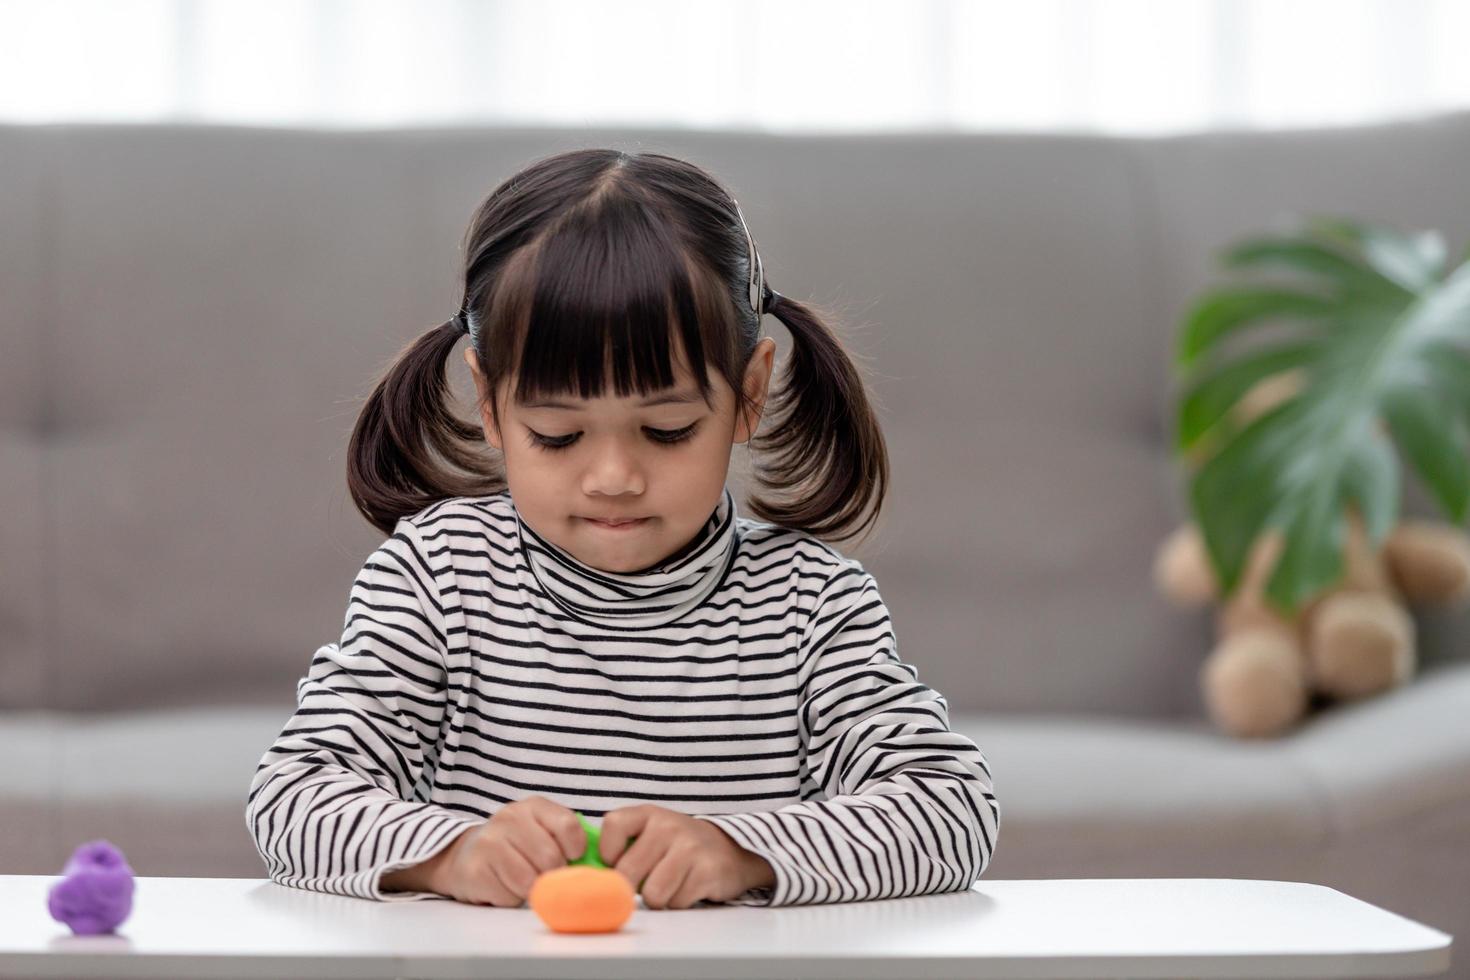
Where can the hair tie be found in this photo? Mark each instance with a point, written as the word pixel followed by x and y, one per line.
pixel 466 325
pixel 771 299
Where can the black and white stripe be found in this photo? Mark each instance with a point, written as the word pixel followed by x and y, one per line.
pixel 774 705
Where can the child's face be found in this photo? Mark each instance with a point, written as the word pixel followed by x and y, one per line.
pixel 614 464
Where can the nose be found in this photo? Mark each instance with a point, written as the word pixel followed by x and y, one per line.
pixel 613 471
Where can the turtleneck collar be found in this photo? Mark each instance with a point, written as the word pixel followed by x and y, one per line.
pixel 636 600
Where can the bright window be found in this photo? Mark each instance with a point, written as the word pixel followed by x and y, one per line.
pixel 1104 65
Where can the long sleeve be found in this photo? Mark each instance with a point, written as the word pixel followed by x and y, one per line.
pixel 909 806
pixel 339 799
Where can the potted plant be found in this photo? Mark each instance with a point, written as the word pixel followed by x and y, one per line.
pixel 1375 324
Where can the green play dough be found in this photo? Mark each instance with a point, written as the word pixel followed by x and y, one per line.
pixel 591 855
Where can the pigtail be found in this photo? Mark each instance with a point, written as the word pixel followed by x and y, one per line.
pixel 824 447
pixel 408 449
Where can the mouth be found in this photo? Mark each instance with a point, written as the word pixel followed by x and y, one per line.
pixel 622 525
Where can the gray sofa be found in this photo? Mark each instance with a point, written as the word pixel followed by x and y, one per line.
pixel 191 316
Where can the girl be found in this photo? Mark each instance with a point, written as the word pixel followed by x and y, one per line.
pixel 584 621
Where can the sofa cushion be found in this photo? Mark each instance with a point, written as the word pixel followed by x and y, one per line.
pixel 1083 784
pixel 169 786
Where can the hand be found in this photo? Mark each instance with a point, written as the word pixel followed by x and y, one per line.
pixel 497 862
pixel 678 860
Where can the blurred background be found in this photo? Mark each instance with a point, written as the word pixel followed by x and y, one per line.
pixel 1121 66
pixel 220 221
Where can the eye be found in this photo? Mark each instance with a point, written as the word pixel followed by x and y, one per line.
pixel 561 442
pixel 672 435
pixel 665 437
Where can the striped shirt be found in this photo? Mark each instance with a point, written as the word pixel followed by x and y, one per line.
pixel 751 679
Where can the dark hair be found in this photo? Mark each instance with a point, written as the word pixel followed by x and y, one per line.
pixel 595 249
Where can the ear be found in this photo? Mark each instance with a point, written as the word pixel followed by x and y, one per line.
pixel 757 385
pixel 487 421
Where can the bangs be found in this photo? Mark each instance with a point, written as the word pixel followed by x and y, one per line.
pixel 609 295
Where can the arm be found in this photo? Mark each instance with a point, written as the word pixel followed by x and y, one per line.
pixel 338 799
pixel 910 808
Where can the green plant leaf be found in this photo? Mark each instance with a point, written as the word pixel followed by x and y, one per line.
pixel 1224 312
pixel 1432 438
pixel 1412 261
pixel 1325 264
pixel 1450 368
pixel 1371 481
pixel 1442 314
pixel 1213 393
pixel 1313 550
pixel 1233 493
pixel 1390 371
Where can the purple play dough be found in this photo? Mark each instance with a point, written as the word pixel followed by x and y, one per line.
pixel 95 893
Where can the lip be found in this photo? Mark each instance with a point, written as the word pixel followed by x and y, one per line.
pixel 623 526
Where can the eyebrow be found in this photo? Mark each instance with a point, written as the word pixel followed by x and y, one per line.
pixel 672 398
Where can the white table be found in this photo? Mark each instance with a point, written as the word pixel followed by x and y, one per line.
pixel 1108 927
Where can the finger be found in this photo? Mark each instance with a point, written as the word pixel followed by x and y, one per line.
pixel 516 872
pixel 639 860
pixel 690 891
pixel 538 846
pixel 478 883
pixel 565 830
pixel 665 879
pixel 495 889
pixel 618 827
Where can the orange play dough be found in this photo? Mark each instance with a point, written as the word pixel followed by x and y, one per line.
pixel 580 898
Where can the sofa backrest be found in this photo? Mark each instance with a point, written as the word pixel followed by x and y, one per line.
pixel 192 315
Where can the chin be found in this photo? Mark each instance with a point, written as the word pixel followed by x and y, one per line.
pixel 622 567
pixel 621 560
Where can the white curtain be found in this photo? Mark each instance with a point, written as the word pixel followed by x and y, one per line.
pixel 1127 66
